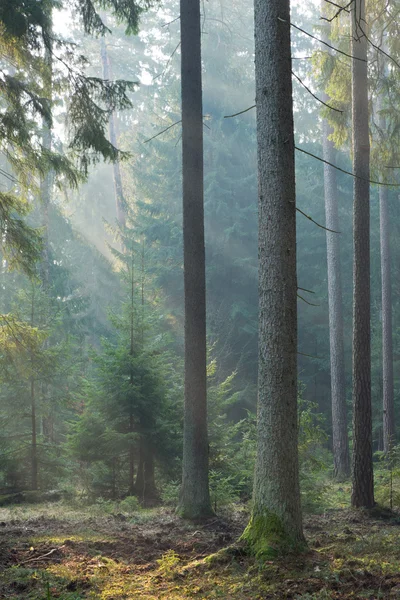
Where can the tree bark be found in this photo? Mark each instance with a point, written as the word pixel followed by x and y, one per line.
pixel 276 520
pixel 195 497
pixel 362 470
pixel 340 439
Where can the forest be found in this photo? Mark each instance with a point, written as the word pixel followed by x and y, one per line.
pixel 199 317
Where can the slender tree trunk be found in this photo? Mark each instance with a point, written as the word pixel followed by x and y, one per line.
pixel 146 489
pixel 34 460
pixel 387 335
pixel 131 353
pixel 362 470
pixel 387 330
pixel 131 455
pixel 195 496
pixel 112 128
pixel 276 520
pixel 340 439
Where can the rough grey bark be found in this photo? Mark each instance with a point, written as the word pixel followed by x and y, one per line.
pixel 276 514
pixel 340 439
pixel 195 498
pixel 362 470
pixel 112 128
pixel 387 330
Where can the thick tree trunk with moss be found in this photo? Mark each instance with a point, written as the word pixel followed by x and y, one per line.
pixel 276 522
pixel 195 497
pixel 340 439
pixel 362 471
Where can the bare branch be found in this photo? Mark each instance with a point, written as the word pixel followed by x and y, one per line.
pixel 315 222
pixel 163 131
pixel 321 41
pixel 240 112
pixel 314 96
pixel 346 172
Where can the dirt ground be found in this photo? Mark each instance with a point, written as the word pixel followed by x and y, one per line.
pixel 56 551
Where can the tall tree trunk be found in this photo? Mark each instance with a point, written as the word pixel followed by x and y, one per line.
pixel 46 182
pixel 387 331
pixel 195 496
pixel 112 128
pixel 387 335
pixel 340 439
pixel 362 471
pixel 276 515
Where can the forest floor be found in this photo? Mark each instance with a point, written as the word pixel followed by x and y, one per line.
pixel 55 551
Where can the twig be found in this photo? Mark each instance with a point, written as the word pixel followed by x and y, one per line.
pixel 346 172
pixel 168 63
pixel 314 96
pixel 42 556
pixel 163 131
pixel 170 22
pixel 306 301
pixel 305 290
pixel 315 222
pixel 308 355
pixel 240 112
pixel 321 41
pixel 340 9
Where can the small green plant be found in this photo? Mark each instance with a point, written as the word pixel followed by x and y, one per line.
pixel 103 506
pixel 387 478
pixel 222 490
pixel 168 562
pixel 130 504
pixel 170 493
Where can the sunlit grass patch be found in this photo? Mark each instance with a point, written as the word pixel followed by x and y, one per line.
pixel 82 537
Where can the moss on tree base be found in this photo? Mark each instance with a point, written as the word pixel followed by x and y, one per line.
pixel 194 513
pixel 267 537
